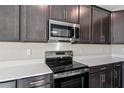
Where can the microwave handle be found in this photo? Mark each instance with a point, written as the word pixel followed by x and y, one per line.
pixel 73 36
pixel 72 33
pixel 76 35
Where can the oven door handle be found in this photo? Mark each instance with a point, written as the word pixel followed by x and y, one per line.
pixel 67 74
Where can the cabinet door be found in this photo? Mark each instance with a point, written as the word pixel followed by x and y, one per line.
pixel 106 79
pixel 94 80
pixel 106 32
pixel 71 13
pixel 85 24
pixel 100 26
pixel 103 79
pixel 9 22
pixel 96 25
pixel 57 12
pixel 117 27
pixel 117 77
pixel 34 21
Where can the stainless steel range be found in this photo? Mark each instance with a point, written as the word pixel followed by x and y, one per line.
pixel 67 73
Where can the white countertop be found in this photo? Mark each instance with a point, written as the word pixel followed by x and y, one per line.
pixel 97 60
pixel 11 70
pixel 17 69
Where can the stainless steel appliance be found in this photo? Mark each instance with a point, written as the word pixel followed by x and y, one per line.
pixel 63 31
pixel 67 73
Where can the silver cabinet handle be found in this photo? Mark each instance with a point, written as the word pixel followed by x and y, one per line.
pixel 37 82
pixel 104 79
pixel 118 65
pixel 101 80
pixel 111 80
pixel 119 78
pixel 116 76
pixel 103 68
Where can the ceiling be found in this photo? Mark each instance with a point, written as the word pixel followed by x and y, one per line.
pixel 112 7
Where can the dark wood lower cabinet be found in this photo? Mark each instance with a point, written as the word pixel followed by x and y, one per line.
pixel 94 80
pixel 106 76
pixel 101 79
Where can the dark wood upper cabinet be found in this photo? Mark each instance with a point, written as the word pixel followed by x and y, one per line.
pixel 71 13
pixel 117 27
pixel 57 12
pixel 106 26
pixel 85 23
pixel 9 22
pixel 100 26
pixel 67 13
pixel 34 22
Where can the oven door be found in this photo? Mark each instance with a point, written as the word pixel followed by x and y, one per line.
pixel 77 81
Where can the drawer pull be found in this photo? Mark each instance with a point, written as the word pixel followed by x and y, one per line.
pixel 103 68
pixel 118 65
pixel 37 82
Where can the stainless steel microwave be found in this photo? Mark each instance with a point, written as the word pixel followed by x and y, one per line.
pixel 63 31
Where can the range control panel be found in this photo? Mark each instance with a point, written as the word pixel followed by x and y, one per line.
pixel 52 54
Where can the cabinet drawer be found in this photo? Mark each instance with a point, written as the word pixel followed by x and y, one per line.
pixel 101 68
pixel 9 84
pixel 34 81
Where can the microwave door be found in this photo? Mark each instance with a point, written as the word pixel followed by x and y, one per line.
pixel 62 31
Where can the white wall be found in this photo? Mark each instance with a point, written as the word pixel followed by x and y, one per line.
pixel 15 50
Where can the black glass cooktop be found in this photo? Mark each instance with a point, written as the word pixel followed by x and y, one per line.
pixel 63 68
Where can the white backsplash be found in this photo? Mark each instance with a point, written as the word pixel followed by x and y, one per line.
pixel 118 50
pixel 17 50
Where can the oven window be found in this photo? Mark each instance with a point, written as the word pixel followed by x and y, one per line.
pixel 61 31
pixel 70 82
pixel 73 83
